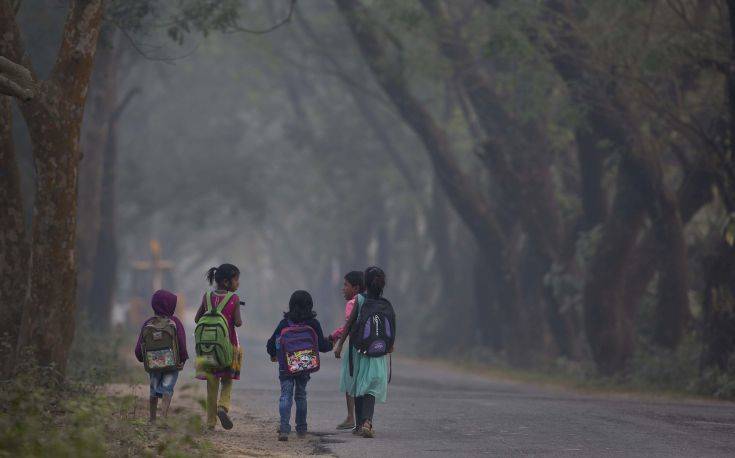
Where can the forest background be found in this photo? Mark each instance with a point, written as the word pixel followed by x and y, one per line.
pixel 548 184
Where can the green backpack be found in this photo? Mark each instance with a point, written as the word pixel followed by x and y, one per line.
pixel 212 336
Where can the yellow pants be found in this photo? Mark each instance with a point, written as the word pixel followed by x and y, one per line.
pixel 213 384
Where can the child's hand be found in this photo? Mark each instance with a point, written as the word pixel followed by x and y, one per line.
pixel 274 359
pixel 338 351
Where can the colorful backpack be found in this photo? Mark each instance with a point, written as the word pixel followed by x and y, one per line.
pixel 298 349
pixel 212 336
pixel 160 345
pixel 374 331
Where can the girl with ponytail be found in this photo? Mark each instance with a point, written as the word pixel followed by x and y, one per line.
pixel 367 382
pixel 227 280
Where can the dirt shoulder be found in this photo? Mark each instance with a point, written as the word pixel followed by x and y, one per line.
pixel 251 436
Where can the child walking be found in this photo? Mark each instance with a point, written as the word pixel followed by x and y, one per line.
pixel 221 301
pixel 369 372
pixel 354 284
pixel 161 348
pixel 295 376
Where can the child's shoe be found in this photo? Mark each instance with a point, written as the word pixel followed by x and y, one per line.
pixel 357 430
pixel 224 418
pixel 347 424
pixel 283 437
pixel 301 434
pixel 367 430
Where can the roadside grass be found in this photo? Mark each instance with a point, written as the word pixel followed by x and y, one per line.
pixel 652 372
pixel 41 415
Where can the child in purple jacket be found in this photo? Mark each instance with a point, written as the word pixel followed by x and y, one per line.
pixel 162 383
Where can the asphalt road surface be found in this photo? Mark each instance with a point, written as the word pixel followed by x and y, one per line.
pixel 432 411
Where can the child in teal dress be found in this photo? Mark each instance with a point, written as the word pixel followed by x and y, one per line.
pixel 369 380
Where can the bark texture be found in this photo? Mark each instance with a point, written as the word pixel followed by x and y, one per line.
pixel 16 80
pixel 13 237
pixel 14 245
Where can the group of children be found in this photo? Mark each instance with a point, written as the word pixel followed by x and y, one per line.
pixel 295 344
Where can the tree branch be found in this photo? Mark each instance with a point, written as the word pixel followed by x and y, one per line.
pixel 16 80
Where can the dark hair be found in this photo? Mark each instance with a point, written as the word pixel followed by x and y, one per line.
pixel 300 307
pixel 356 278
pixel 374 281
pixel 222 274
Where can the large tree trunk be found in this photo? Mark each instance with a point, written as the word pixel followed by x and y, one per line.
pixel 695 192
pixel 672 307
pixel 54 120
pixel 13 239
pixel 14 246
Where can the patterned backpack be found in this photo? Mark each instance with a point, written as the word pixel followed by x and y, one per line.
pixel 160 345
pixel 298 349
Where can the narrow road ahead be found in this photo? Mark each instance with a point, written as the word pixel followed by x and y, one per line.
pixel 433 412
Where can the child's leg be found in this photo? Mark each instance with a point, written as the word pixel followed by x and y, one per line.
pixel 212 390
pixel 284 404
pixel 226 394
pixel 358 410
pixel 168 381
pixel 350 408
pixel 368 407
pixel 223 406
pixel 155 383
pixel 300 397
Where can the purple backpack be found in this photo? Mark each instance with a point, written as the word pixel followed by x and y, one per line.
pixel 298 349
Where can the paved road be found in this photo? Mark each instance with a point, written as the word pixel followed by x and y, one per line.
pixel 434 412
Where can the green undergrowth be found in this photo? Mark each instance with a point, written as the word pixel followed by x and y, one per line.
pixel 41 415
pixel 651 372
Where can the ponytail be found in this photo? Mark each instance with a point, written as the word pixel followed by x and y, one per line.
pixel 211 273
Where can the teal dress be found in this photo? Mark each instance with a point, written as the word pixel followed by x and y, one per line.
pixel 369 375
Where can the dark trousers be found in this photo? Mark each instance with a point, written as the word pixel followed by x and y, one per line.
pixel 364 408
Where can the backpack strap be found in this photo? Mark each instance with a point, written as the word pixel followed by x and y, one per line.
pixel 390 366
pixel 222 303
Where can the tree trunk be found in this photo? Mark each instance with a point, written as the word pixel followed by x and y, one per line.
pixel 608 321
pixel 101 103
pixel 672 307
pixel 54 120
pixel 591 171
pixel 14 244
pixel 13 238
